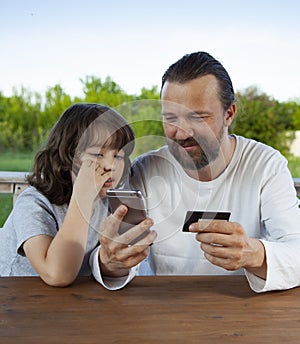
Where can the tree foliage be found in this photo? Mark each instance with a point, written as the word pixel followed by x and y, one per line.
pixel 27 117
pixel 105 92
pixel 18 119
pixel 265 119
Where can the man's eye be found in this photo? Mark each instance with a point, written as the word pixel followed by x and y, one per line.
pixel 170 119
pixel 119 157
pixel 198 117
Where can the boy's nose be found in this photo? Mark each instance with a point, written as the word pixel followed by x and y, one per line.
pixel 107 164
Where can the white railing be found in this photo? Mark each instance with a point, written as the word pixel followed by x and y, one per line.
pixel 15 182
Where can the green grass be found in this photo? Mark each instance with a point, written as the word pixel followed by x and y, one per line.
pixel 16 161
pixel 294 166
pixel 12 161
pixel 6 203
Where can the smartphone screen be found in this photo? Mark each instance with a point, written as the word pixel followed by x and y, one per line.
pixel 135 203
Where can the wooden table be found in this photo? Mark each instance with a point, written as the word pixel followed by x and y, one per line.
pixel 202 309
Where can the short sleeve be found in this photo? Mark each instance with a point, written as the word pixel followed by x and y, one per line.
pixel 33 215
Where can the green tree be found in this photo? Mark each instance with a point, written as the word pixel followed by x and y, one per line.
pixel 148 93
pixel 263 118
pixel 105 92
pixel 19 119
pixel 26 117
pixel 144 115
pixel 56 102
pixel 293 108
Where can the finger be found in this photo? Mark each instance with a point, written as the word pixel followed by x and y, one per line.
pixel 141 232
pixel 87 165
pixel 214 239
pixel 111 224
pixel 225 263
pixel 147 240
pixel 135 260
pixel 91 164
pixel 216 260
pixel 130 256
pixel 141 246
pixel 105 174
pixel 87 161
pixel 216 250
pixel 214 226
pixel 101 177
pixel 120 213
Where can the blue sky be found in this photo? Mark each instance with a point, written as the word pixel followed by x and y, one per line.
pixel 45 42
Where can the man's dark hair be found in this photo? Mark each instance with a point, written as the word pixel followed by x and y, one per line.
pixel 198 64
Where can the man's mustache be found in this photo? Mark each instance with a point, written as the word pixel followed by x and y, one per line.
pixel 187 142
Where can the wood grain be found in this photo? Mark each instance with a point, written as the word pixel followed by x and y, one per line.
pixel 169 309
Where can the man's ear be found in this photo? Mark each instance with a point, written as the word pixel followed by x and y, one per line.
pixel 230 114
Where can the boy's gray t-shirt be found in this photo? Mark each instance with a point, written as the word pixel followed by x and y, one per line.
pixel 34 215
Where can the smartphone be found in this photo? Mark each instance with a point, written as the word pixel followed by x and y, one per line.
pixel 135 203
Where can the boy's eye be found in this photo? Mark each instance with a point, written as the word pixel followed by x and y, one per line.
pixel 119 157
pixel 97 155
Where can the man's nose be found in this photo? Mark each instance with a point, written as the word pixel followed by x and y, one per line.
pixel 183 131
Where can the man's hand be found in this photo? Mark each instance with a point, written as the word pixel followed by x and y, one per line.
pixel 226 244
pixel 116 255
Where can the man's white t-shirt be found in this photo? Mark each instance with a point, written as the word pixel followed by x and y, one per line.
pixel 256 188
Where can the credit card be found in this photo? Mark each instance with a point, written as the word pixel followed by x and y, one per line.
pixel 195 216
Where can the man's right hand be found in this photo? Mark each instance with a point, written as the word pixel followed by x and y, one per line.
pixel 116 255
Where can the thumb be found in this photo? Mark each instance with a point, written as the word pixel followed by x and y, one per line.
pixel 120 212
pixel 110 226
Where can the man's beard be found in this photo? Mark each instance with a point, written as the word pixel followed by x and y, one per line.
pixel 207 151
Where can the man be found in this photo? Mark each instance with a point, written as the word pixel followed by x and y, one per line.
pixel 205 168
